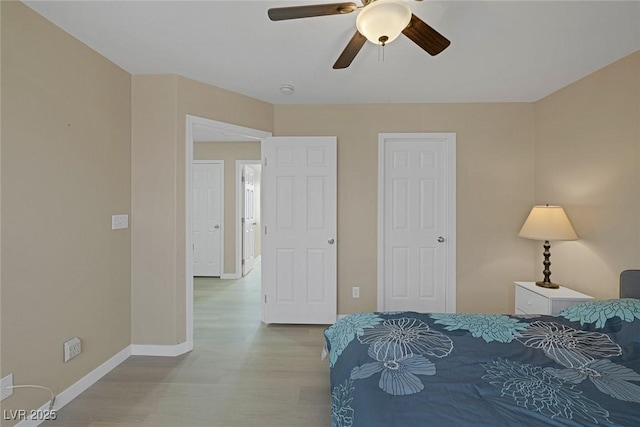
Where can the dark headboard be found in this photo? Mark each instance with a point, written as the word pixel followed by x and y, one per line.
pixel 630 284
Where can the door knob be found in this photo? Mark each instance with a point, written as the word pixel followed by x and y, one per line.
pixel 440 239
pixel 216 226
pixel 331 241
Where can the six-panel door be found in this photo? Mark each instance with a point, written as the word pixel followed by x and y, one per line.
pixel 299 232
pixel 207 218
pixel 415 224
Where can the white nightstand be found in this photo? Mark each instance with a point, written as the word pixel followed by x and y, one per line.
pixel 533 299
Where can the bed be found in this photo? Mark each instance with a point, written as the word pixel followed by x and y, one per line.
pixel 580 368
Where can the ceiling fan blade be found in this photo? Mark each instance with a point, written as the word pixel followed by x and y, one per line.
pixel 350 52
pixel 425 36
pixel 295 12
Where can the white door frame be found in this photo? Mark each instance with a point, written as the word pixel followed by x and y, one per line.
pixel 450 138
pixel 221 163
pixel 240 209
pixel 231 130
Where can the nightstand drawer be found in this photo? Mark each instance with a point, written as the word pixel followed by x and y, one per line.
pixel 530 302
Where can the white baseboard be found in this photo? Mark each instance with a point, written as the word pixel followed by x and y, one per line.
pixel 66 396
pixel 79 386
pixel 161 350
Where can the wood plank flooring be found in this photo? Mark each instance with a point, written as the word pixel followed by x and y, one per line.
pixel 241 373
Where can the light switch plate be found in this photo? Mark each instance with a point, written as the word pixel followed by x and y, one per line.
pixel 119 221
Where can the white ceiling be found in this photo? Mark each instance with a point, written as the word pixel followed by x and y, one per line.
pixel 500 50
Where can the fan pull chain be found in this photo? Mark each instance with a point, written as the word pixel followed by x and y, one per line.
pixel 383 42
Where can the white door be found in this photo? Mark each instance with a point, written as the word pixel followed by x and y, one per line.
pixel 299 230
pixel 248 220
pixel 207 218
pixel 417 208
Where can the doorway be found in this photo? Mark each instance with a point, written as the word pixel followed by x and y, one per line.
pixel 200 129
pixel 248 197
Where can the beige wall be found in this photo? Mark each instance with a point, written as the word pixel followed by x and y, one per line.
pixel 153 213
pixel 229 152
pixel 65 170
pixel 494 191
pixel 588 159
pixel 494 140
pixel 159 108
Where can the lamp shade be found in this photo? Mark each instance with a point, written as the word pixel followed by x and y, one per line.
pixel 382 21
pixel 548 223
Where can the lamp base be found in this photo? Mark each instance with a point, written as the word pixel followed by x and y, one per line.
pixel 549 285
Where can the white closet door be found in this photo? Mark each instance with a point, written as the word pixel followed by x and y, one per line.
pixel 417 223
pixel 207 218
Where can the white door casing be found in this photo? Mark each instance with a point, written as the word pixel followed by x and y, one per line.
pixel 416 222
pixel 299 230
pixel 208 217
pixel 248 220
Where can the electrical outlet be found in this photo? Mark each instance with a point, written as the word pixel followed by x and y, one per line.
pixel 4 383
pixel 72 348
pixel 355 292
pixel 119 221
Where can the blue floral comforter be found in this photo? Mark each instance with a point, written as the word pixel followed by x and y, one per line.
pixel 409 369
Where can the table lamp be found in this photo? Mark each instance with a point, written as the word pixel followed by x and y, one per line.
pixel 547 223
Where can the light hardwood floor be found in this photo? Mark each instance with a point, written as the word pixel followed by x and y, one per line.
pixel 240 373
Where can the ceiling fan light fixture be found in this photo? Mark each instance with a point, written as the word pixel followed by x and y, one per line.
pixel 382 21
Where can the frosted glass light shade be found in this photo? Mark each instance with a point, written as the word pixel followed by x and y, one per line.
pixel 383 18
pixel 548 223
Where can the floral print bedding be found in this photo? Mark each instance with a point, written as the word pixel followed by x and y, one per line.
pixel 581 368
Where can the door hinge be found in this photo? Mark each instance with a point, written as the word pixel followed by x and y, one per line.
pixel 265 298
pixel 242 178
pixel 242 262
pixel 265 161
pixel 265 230
pixel 242 220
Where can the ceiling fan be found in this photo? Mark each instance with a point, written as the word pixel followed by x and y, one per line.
pixel 379 21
